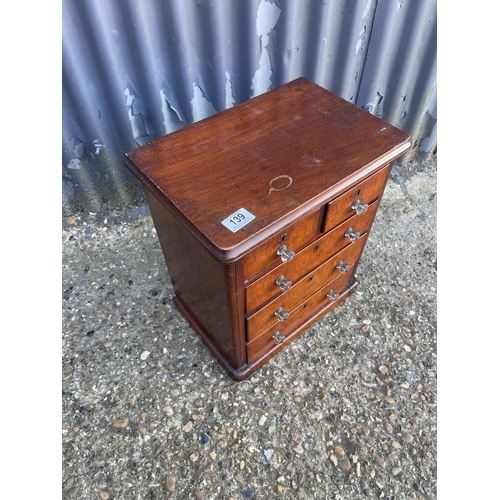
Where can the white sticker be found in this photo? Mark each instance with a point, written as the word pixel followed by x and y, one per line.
pixel 237 220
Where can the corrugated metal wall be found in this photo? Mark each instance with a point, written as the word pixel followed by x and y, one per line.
pixel 134 70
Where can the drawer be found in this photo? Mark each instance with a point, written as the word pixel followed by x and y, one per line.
pixel 362 194
pixel 278 333
pixel 295 237
pixel 266 288
pixel 267 317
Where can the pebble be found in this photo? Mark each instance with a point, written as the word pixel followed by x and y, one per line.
pixel 344 464
pixel 396 445
pixel 145 355
pixel 262 420
pixel 419 488
pixel 339 450
pixel 121 423
pixel 298 449
pixel 383 369
pixel 248 494
pixel 104 495
pixel 170 483
pixel 407 438
pixel 188 426
pixel 239 478
pixel 168 410
pixel 197 494
pixel 204 438
pixel 333 458
pixel 396 470
pixel 388 427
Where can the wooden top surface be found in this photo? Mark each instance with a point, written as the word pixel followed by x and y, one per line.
pixel 278 155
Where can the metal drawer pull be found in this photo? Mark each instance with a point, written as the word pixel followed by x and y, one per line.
pixel 343 267
pixel 360 208
pixel 283 283
pixel 282 314
pixel 352 234
pixel 333 296
pixel 278 338
pixel 285 253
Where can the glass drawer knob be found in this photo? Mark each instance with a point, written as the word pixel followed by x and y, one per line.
pixel 285 253
pixel 283 283
pixel 352 234
pixel 282 314
pixel 278 338
pixel 343 267
pixel 360 208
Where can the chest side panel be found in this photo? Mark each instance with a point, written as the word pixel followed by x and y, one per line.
pixel 204 287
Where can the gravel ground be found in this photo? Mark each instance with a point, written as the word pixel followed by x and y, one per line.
pixel 347 411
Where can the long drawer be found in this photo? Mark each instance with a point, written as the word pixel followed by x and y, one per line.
pixel 267 288
pixel 278 333
pixel 339 266
pixel 294 237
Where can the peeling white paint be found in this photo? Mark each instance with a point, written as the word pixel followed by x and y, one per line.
pixel 130 97
pixel 136 119
pixel 267 17
pixel 367 8
pixel 99 147
pixel 169 122
pixel 74 164
pixel 400 5
pixel 202 107
pixel 230 101
pixel 358 46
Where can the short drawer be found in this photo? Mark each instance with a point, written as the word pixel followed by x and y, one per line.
pixel 278 333
pixel 356 200
pixel 266 288
pixel 279 310
pixel 295 237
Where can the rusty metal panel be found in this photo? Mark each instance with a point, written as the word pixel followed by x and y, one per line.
pixel 135 70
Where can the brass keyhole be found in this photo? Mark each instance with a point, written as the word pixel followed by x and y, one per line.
pixel 358 192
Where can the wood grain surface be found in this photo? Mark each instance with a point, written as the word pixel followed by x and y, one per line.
pixel 276 155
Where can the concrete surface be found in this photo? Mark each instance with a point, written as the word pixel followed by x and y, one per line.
pixel 347 411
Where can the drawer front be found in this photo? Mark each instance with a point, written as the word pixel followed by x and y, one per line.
pixel 279 310
pixel 278 333
pixel 362 194
pixel 265 288
pixel 295 237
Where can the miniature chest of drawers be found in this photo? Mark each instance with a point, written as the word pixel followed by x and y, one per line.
pixel 263 211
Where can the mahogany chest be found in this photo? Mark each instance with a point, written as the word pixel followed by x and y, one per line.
pixel 263 211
